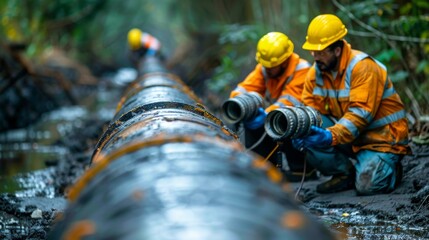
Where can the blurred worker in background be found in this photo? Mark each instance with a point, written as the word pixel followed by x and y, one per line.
pixel 279 77
pixel 364 134
pixel 142 44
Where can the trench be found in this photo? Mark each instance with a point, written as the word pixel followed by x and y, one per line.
pixel 30 159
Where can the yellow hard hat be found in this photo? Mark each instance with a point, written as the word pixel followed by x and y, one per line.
pixel 134 38
pixel 324 30
pixel 273 49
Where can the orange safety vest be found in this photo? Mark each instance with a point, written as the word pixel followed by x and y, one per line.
pixel 363 101
pixel 150 42
pixel 282 91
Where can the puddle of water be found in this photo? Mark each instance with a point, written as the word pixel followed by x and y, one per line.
pixel 24 151
pixel 354 225
pixel 26 154
pixel 34 148
pixel 14 170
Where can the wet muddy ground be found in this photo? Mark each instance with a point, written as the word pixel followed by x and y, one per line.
pixel 39 163
pixel 402 214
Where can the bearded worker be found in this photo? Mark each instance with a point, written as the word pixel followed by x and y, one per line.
pixel 364 134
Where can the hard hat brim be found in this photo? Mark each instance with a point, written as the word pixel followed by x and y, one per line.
pixel 270 64
pixel 319 47
pixel 314 47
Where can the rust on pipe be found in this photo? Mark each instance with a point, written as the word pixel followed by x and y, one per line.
pixel 166 168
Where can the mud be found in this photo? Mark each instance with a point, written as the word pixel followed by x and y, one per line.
pixel 402 214
pixel 49 155
pixel 28 210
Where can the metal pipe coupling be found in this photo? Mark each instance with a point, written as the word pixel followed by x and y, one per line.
pixel 291 122
pixel 242 107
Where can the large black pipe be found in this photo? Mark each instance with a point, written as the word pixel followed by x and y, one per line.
pixel 167 169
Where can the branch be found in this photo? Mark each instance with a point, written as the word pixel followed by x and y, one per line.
pixel 415 107
pixel 71 19
pixel 374 32
pixel 388 38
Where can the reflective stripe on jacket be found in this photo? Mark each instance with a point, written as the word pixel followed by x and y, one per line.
pixel 362 98
pixel 284 90
pixel 150 42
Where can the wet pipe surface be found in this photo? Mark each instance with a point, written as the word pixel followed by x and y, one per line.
pixel 167 169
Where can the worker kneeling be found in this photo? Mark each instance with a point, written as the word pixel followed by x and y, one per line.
pixel 279 78
pixel 364 134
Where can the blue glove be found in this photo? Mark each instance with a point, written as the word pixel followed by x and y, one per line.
pixel 150 52
pixel 318 137
pixel 257 121
pixel 298 144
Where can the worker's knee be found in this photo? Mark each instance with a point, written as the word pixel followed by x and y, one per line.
pixel 369 183
pixel 376 172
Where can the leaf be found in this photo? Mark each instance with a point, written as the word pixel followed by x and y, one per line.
pixel 398 76
pixel 386 56
pixel 406 9
pixel 423 67
pixel 422 3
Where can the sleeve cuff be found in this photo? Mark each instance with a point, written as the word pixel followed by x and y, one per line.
pixel 334 138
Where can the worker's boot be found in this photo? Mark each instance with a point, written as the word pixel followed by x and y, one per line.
pixel 337 183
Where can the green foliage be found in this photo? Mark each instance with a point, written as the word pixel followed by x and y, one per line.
pixel 387 55
pixel 90 30
pixel 423 67
pixel 397 34
pixel 44 23
pixel 239 34
pixel 223 75
pixel 238 43
pixel 399 76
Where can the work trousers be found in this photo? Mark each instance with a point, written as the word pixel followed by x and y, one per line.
pixel 376 172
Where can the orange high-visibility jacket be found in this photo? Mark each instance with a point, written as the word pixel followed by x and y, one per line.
pixel 284 90
pixel 362 99
pixel 150 42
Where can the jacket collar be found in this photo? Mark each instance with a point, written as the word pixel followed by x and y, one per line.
pixel 345 57
pixel 293 60
pixel 290 69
